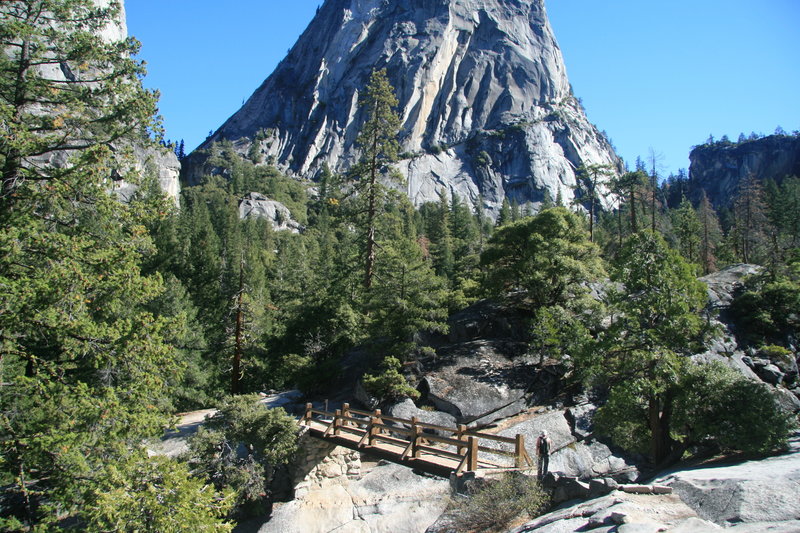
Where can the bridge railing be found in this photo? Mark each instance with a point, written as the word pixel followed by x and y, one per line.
pixel 415 437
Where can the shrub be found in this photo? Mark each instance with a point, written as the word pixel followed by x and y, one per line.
pixel 495 503
pixel 717 405
pixel 240 445
pixel 156 494
pixel 389 384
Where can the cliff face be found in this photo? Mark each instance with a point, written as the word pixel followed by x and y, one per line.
pixel 719 168
pixel 485 102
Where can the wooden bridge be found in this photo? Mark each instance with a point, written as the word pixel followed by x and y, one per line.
pixel 414 444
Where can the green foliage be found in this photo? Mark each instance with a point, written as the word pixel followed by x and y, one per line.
pixel 655 320
pixel 99 101
pixel 687 228
pixel 239 446
pixel 768 310
pixel 559 333
pixel 406 299
pixel 156 495
pixel 88 362
pixel 717 405
pixel 389 384
pixel 497 502
pixel 624 417
pixel 548 256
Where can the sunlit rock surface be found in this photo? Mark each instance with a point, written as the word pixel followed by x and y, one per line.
pixel 487 109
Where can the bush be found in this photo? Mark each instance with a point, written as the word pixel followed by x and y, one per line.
pixel 156 494
pixel 389 384
pixel 717 405
pixel 240 445
pixel 495 503
pixel 768 311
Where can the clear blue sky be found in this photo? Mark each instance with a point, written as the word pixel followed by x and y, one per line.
pixel 653 74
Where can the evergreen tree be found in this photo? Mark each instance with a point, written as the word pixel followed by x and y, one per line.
pixel 656 320
pixel 750 220
pixel 505 215
pixel 378 142
pixel 589 177
pixel 441 240
pixel 687 228
pixel 64 90
pixel 710 234
pixel 548 255
pixel 87 361
pixel 628 189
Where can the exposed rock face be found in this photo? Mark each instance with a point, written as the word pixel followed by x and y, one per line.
pixel 485 103
pixel 161 160
pixel 723 347
pixel 750 497
pixel 753 491
pixel 571 454
pixel 718 169
pixel 256 205
pixel 388 499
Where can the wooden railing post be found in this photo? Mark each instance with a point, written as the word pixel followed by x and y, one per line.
pixel 373 429
pixel 337 421
pixel 461 435
pixel 346 413
pixel 307 417
pixel 472 462
pixel 519 451
pixel 415 435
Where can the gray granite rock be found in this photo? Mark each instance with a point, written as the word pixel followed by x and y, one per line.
pixel 753 491
pixel 388 499
pixel 407 409
pixel 256 205
pixel 569 456
pixel 486 106
pixel 718 169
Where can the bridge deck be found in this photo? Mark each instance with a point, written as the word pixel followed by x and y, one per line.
pixel 426 462
pixel 430 448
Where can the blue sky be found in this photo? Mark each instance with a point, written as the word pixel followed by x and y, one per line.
pixel 653 74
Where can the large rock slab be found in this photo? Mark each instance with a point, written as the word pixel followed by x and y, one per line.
pixel 389 499
pixel 754 491
pixel 584 459
pixel 616 512
pixel 407 409
pixel 722 285
pixel 256 205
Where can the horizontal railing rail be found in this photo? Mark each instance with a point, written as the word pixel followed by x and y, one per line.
pixel 415 438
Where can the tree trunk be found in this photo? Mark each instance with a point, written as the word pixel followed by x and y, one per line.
pixel 238 348
pixel 13 158
pixel 369 265
pixel 659 422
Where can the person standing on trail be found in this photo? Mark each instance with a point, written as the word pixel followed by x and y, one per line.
pixel 543 447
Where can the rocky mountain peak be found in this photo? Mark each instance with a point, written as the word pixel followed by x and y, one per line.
pixel 486 106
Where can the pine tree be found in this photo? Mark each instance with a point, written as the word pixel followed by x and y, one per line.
pixel 591 176
pixel 87 364
pixel 750 220
pixel 505 216
pixel 64 91
pixel 549 256
pixel 441 239
pixel 710 234
pixel 378 142
pixel 656 319
pixel 687 227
